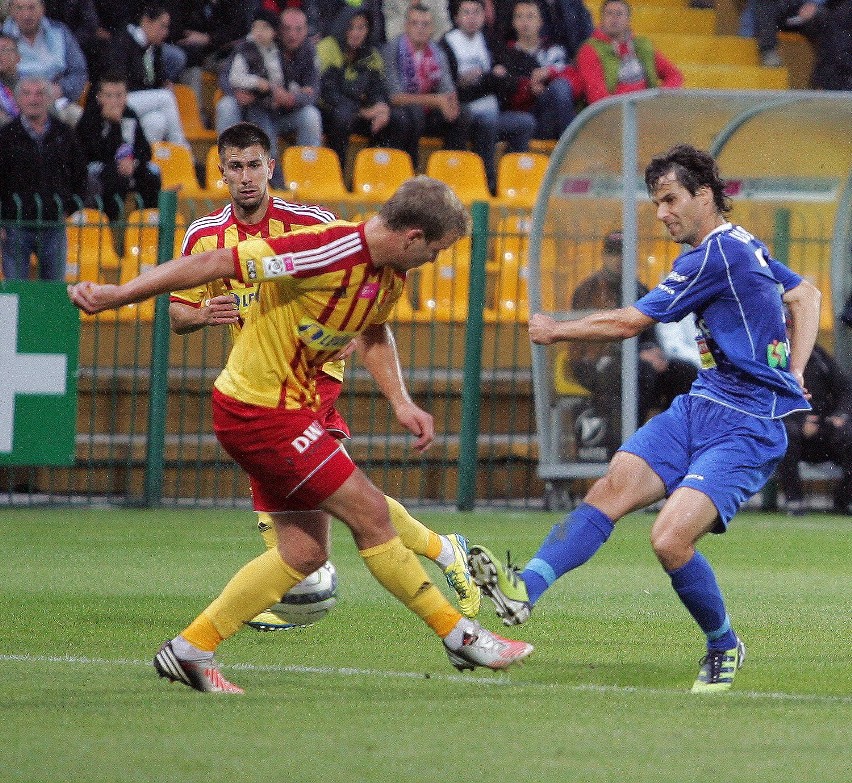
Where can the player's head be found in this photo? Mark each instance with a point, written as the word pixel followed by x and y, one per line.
pixel 693 169
pixel 429 215
pixel 685 186
pixel 245 164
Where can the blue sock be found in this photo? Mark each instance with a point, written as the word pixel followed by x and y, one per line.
pixel 696 586
pixel 568 545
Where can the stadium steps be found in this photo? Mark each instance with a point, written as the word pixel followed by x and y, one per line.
pixel 689 38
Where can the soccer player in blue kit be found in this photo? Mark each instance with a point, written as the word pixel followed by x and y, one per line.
pixel 715 446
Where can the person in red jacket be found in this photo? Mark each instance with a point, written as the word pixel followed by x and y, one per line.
pixel 614 61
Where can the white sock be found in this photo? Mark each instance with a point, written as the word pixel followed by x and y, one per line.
pixel 454 638
pixel 447 556
pixel 189 652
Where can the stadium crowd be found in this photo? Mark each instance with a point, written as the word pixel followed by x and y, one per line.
pixel 471 72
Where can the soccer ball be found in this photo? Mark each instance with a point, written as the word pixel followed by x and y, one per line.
pixel 310 600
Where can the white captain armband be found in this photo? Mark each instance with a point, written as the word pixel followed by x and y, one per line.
pixel 277 266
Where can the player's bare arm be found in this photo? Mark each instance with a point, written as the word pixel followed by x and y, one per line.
pixel 219 310
pixel 803 302
pixel 377 349
pixel 618 324
pixel 175 275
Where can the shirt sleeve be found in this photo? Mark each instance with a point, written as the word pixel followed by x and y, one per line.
pixel 693 281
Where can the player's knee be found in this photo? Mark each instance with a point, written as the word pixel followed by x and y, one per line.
pixel 670 548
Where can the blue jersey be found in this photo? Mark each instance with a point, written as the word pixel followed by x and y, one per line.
pixel 734 289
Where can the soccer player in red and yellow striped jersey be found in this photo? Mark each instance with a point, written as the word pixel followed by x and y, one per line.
pixel 319 287
pixel 246 168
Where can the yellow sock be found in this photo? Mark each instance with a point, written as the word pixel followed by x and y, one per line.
pixel 255 587
pixel 397 569
pixel 414 534
pixel 266 528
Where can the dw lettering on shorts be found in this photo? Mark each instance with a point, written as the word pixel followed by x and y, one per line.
pixel 311 435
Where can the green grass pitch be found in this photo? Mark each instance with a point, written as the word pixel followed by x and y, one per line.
pixel 87 596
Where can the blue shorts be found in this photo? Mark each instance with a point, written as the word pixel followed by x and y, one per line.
pixel 721 452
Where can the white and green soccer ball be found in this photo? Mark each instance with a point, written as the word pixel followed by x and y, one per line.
pixel 310 600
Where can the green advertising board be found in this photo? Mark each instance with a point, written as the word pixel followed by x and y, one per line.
pixel 39 345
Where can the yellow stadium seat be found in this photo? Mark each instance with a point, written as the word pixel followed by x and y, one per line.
pixel 463 171
pixel 91 248
pixel 141 237
pixel 379 171
pixel 646 20
pixel 177 169
pixel 314 174
pixel 543 146
pixel 734 77
pixel 509 268
pixel 442 288
pixel 519 177
pixel 707 49
pixel 190 115
pixel 215 183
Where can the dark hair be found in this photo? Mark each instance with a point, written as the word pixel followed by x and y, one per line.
pixel 428 204
pixel 242 135
pixel 112 77
pixel 153 11
pixel 693 169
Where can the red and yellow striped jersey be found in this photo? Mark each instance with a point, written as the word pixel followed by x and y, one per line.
pixel 222 229
pixel 318 290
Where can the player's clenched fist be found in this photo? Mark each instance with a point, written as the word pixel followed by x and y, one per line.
pixel 542 329
pixel 94 298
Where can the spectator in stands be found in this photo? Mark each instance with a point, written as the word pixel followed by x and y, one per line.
pixel 545 82
pixel 49 49
pixel 281 79
pixel 614 61
pixel 137 53
pixel 564 22
pixel 206 31
pixel 483 85
pixel 42 180
pixel 116 150
pixel 353 89
pixel 823 434
pixel 421 83
pixel 833 48
pixel 113 19
pixel 597 365
pixel 80 17
pixel 396 13
pixel 770 16
pixel 322 15
pixel 9 59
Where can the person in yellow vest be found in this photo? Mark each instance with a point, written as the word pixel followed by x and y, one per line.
pixel 614 61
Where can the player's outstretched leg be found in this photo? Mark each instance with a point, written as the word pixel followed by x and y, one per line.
pixel 569 544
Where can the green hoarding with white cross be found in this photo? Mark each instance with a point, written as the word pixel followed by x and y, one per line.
pixel 39 347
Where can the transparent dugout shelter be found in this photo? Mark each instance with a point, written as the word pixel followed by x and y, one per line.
pixel 788 159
